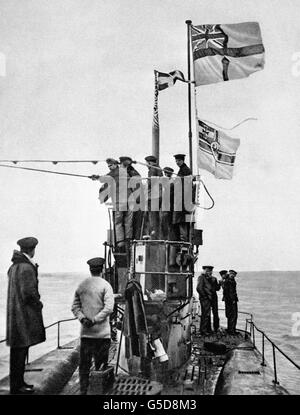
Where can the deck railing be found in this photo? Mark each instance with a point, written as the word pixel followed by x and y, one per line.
pixel 251 330
pixel 252 333
pixel 58 335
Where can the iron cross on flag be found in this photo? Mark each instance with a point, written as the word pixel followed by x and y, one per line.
pixel 212 36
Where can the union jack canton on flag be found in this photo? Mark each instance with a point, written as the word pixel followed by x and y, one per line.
pixel 216 151
pixel 226 52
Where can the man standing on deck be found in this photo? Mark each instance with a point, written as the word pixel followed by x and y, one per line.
pixel 224 276
pixel 126 163
pixel 93 304
pixel 231 300
pixel 179 217
pixel 25 325
pixel 154 196
pixel 118 191
pixel 167 215
pixel 137 215
pixel 207 288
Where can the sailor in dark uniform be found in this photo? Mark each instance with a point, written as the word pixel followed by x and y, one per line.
pixel 126 162
pixel 207 288
pixel 137 216
pixel 154 196
pixel 231 300
pixel 184 170
pixel 179 217
pixel 224 276
pixel 168 207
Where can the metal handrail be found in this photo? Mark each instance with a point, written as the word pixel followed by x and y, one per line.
pixel 253 327
pixel 58 323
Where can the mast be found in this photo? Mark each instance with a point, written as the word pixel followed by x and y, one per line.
pixel 188 23
pixel 155 123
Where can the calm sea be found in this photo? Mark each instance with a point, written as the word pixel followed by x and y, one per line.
pixel 272 297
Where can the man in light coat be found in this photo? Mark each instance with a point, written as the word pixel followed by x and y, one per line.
pixel 25 325
pixel 93 304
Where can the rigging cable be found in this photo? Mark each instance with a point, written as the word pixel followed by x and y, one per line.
pixel 209 195
pixel 51 161
pixel 45 171
pixel 90 177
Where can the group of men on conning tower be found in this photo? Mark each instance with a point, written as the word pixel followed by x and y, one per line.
pixel 134 222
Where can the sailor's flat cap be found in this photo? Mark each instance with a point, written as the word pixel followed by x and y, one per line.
pixel 179 156
pixel 208 267
pixel 29 242
pixel 223 272
pixel 111 161
pixel 168 169
pixel 96 262
pixel 124 158
pixel 232 271
pixel 151 158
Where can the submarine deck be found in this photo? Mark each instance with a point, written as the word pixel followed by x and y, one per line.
pixel 234 371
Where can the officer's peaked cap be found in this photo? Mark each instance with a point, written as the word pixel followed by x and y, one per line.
pixel 96 263
pixel 151 158
pixel 179 156
pixel 208 267
pixel 168 169
pixel 111 161
pixel 124 158
pixel 29 242
pixel 223 272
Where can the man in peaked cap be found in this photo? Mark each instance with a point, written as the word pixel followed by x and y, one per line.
pixel 168 171
pixel 112 164
pixel 93 304
pixel 179 216
pixel 231 300
pixel 207 288
pixel 115 187
pixel 151 159
pixel 167 211
pixel 224 275
pixel 25 325
pixel 126 162
pixel 184 170
pixel 153 197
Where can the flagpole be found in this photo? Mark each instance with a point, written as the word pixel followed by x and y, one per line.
pixel 188 23
pixel 155 124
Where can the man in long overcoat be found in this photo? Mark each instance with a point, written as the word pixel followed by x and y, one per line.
pixel 25 325
pixel 179 216
pixel 207 288
pixel 231 301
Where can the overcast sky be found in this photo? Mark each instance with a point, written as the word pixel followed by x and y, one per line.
pixel 79 85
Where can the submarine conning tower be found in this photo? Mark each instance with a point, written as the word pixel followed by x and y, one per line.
pixel 164 271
